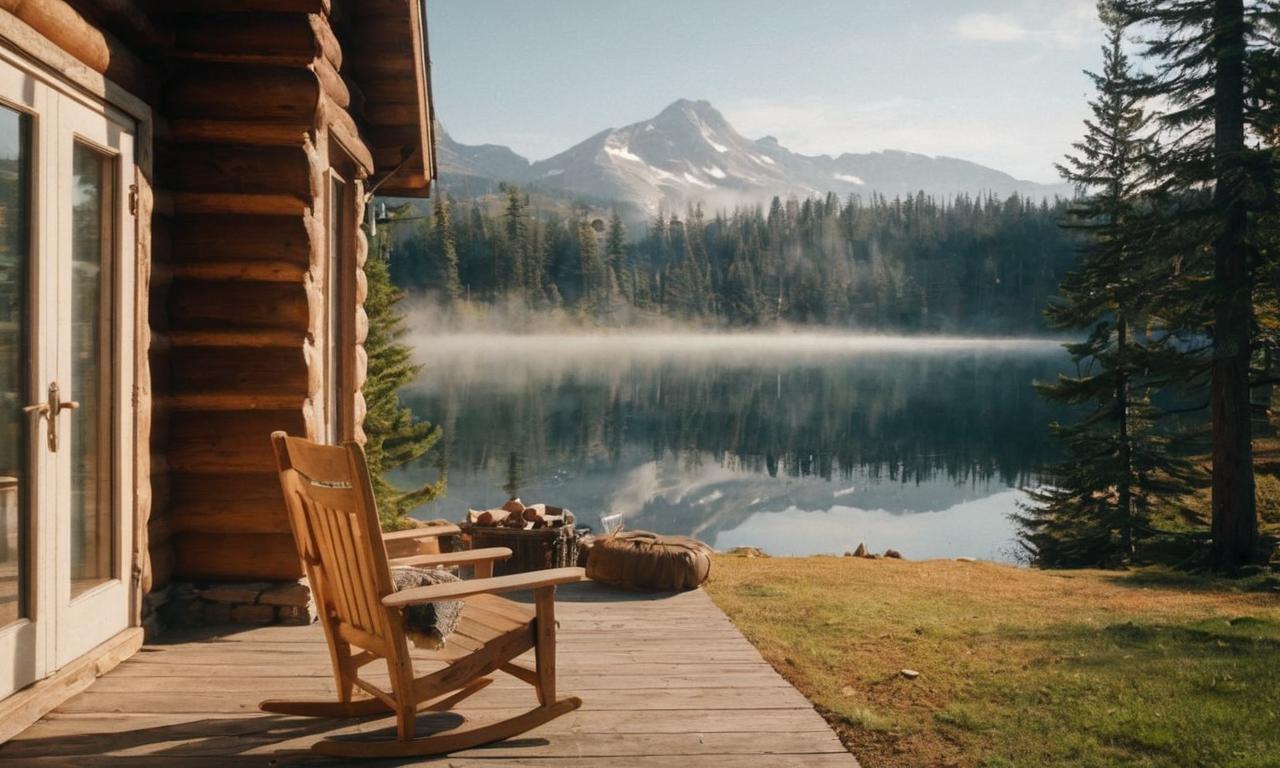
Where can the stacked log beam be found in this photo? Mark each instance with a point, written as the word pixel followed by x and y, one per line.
pixel 66 27
pixel 245 158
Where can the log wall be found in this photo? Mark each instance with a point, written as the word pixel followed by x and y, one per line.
pixel 247 99
pixel 246 157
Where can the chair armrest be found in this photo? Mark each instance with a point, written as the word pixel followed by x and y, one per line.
pixel 465 557
pixel 460 589
pixel 430 531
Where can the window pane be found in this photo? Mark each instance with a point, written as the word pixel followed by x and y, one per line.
pixel 337 245
pixel 92 454
pixel 15 361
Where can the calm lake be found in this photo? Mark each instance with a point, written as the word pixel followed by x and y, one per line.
pixel 794 443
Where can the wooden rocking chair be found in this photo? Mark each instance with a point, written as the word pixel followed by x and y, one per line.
pixel 335 525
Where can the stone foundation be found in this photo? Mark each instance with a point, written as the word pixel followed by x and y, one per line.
pixel 256 603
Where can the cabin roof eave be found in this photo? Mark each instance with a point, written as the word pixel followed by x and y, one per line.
pixel 390 44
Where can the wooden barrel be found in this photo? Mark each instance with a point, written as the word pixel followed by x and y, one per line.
pixel 533 549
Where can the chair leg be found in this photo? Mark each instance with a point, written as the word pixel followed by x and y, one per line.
pixel 340 657
pixel 545 644
pixel 402 685
pixel 453 741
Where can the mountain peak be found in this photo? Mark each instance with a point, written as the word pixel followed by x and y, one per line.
pixel 700 111
pixel 690 153
pixel 690 105
pixel 480 160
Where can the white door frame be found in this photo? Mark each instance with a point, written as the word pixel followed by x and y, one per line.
pixel 58 629
pixel 24 656
pixel 94 616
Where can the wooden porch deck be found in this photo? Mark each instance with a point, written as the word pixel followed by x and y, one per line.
pixel 665 680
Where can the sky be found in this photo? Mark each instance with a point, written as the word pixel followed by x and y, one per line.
pixel 998 82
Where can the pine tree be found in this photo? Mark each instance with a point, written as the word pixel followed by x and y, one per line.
pixel 615 243
pixel 697 265
pixel 535 252
pixel 442 245
pixel 475 257
pixel 678 289
pixel 1202 52
pixel 1097 505
pixel 393 435
pixel 409 265
pixel 742 298
pixel 593 275
pixel 515 250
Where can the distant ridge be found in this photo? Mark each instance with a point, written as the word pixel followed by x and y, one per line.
pixel 690 153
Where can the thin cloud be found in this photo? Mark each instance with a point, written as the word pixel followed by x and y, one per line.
pixel 990 28
pixel 820 126
pixel 1071 26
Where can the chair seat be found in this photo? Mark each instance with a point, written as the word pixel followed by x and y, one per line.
pixel 485 618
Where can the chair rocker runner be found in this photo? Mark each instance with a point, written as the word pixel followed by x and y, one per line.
pixel 344 553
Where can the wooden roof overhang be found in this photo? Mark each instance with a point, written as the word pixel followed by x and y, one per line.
pixel 385 42
pixel 383 52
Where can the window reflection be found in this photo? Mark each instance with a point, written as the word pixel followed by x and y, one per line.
pixel 92 454
pixel 337 301
pixel 15 371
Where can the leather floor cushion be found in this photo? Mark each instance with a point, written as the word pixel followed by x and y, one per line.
pixel 643 560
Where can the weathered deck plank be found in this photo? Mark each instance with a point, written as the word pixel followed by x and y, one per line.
pixel 665 680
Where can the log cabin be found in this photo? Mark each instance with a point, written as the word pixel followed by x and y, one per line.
pixel 182 190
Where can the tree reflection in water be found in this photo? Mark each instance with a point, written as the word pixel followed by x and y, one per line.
pixel 686 435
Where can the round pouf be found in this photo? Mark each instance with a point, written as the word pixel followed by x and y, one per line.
pixel 642 560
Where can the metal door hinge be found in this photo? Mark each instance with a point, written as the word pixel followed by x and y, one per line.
pixel 133 199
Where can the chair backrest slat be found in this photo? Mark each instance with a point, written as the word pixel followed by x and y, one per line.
pixel 339 563
pixel 348 544
pixel 335 525
pixel 367 591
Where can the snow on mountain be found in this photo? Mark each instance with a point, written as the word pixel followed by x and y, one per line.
pixel 690 153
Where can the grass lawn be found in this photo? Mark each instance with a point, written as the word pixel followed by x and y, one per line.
pixel 1019 667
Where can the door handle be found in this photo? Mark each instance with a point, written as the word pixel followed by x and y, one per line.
pixel 50 410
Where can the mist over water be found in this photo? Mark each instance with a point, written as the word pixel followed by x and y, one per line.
pixel 794 442
pixel 479 345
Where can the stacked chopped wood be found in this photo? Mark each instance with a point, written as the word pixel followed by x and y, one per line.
pixel 514 514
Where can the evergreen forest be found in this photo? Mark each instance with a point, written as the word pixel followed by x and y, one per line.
pixel 912 264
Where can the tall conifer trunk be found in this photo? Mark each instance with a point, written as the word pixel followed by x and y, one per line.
pixel 1235 523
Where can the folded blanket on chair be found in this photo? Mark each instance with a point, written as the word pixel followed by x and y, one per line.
pixel 428 625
